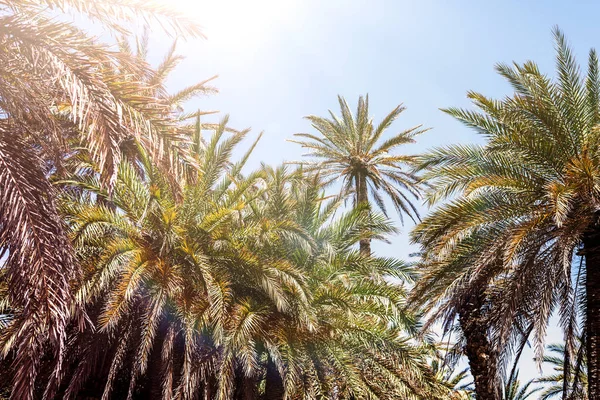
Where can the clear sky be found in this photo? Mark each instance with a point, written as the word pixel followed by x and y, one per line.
pixel 278 61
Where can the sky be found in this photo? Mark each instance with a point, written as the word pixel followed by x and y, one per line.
pixel 279 61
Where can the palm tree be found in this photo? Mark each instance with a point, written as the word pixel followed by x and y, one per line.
pixel 555 385
pixel 359 344
pixel 524 204
pixel 349 148
pixel 59 87
pixel 171 289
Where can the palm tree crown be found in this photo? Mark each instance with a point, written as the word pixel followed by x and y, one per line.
pixel 349 148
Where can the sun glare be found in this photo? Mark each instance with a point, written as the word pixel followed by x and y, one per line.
pixel 238 24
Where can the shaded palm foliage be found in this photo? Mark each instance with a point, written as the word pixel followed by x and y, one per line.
pixel 554 385
pixel 523 204
pixel 350 148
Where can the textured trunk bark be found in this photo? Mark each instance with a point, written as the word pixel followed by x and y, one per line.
pixel 362 197
pixel 483 361
pixel 274 389
pixel 591 247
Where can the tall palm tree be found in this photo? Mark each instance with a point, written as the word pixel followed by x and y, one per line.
pixel 349 148
pixel 525 203
pixel 59 87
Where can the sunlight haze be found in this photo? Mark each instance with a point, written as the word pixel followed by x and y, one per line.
pixel 421 164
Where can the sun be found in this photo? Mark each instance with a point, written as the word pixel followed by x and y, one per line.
pixel 238 23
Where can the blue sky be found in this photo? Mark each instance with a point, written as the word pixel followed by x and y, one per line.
pixel 278 61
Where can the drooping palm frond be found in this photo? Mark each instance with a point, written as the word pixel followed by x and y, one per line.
pixel 60 90
pixel 39 265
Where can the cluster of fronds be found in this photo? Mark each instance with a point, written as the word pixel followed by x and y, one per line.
pixel 238 286
pixel 61 89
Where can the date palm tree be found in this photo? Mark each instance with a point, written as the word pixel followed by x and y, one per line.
pixel 347 290
pixel 523 205
pixel 350 148
pixel 171 289
pixel 358 346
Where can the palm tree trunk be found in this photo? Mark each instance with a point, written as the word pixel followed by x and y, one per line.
pixel 274 389
pixel 208 393
pixel 482 358
pixel 591 249
pixel 245 387
pixel 362 197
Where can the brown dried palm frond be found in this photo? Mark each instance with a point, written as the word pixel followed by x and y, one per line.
pixel 61 89
pixel 39 264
